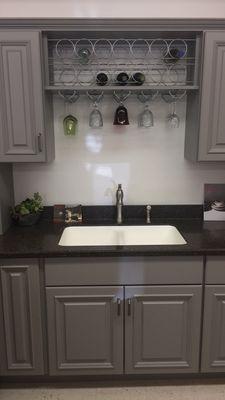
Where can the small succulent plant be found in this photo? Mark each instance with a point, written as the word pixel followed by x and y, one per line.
pixel 28 206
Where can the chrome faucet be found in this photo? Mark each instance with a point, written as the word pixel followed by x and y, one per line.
pixel 119 204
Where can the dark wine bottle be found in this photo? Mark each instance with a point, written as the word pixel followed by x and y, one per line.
pixel 138 78
pixel 101 79
pixel 174 55
pixel 122 78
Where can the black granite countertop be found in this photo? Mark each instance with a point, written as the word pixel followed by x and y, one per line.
pixel 42 239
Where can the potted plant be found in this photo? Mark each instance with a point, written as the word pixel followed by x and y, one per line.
pixel 28 212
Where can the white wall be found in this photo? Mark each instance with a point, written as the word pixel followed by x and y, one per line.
pixel 117 8
pixel 148 162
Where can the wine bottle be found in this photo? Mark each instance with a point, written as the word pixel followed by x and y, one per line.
pixel 174 55
pixel 101 79
pixel 122 78
pixel 138 78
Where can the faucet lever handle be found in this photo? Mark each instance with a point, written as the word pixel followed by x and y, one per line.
pixel 148 212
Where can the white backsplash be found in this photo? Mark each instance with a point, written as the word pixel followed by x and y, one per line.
pixel 149 163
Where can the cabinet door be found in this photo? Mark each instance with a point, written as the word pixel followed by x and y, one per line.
pixel 212 118
pixel 21 97
pixel 21 341
pixel 85 330
pixel 213 346
pixel 162 329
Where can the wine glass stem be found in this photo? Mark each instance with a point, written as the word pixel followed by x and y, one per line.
pixel 174 107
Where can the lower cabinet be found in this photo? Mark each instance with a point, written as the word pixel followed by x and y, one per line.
pixel 21 329
pixel 111 329
pixel 105 329
pixel 85 330
pixel 162 329
pixel 213 348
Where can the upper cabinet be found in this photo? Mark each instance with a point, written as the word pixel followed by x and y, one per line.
pixel 25 111
pixel 205 127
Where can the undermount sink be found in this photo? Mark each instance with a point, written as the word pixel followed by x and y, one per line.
pixel 121 235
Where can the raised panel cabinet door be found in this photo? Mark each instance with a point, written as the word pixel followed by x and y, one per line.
pixel 21 97
pixel 85 330
pixel 162 329
pixel 212 118
pixel 213 346
pixel 22 345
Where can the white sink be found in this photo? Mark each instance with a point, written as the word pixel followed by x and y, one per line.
pixel 121 235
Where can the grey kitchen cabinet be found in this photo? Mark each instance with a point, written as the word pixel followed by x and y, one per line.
pixel 213 344
pixel 213 347
pixel 205 125
pixel 162 329
pixel 21 341
pixel 26 132
pixel 162 322
pixel 85 330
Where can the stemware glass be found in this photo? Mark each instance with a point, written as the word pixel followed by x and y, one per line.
pixel 70 125
pixel 172 97
pixel 70 122
pixel 173 119
pixel 121 114
pixel 95 117
pixel 145 118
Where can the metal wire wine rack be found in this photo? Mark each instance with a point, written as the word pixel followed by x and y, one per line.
pixel 167 63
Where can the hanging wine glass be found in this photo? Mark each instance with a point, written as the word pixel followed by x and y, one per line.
pixel 95 117
pixel 70 122
pixel 145 118
pixel 173 119
pixel 70 125
pixel 172 97
pixel 121 114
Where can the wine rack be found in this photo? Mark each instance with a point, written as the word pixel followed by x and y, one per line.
pixel 162 64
